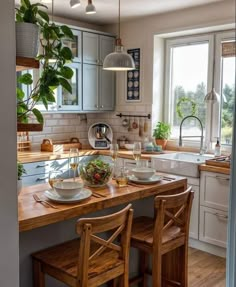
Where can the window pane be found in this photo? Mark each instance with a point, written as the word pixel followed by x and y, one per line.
pixel 227 99
pixel 188 87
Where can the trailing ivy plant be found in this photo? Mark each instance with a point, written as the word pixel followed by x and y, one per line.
pixel 53 57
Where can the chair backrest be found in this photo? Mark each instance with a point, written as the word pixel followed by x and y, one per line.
pixel 172 211
pixel 119 223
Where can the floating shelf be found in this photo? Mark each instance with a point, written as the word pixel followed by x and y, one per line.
pixel 29 127
pixel 23 63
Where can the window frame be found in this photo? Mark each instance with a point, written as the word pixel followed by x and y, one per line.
pixel 213 117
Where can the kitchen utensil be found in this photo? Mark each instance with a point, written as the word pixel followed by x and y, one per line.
pixel 125 123
pixel 145 126
pixel 38 199
pixel 130 125
pixel 100 135
pixel 140 128
pixel 134 124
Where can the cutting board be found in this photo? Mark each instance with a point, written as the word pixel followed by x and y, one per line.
pixel 60 146
pixel 219 161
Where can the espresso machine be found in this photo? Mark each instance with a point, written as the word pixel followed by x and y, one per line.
pixel 100 135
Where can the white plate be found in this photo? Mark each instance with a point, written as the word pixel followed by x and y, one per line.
pixel 52 195
pixel 153 179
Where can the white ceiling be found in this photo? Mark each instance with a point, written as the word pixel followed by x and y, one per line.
pixel 107 10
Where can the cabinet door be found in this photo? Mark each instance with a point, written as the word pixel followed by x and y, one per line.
pixel 75 45
pixel 194 219
pixel 90 48
pixel 90 87
pixel 107 46
pixel 68 101
pixel 213 226
pixel 214 190
pixel 107 90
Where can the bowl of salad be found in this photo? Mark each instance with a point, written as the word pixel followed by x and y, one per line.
pixel 96 172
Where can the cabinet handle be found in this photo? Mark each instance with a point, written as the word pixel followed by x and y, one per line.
pixel 222 178
pixel 59 107
pixel 221 215
pixel 102 106
pixel 40 178
pixel 96 106
pixel 39 166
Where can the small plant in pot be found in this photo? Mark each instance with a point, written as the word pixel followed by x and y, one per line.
pixel 54 72
pixel 161 133
pixel 20 172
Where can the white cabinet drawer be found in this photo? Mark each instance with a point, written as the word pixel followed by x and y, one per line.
pixel 213 226
pixel 214 190
pixel 40 167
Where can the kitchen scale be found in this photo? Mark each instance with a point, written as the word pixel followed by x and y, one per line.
pixel 100 135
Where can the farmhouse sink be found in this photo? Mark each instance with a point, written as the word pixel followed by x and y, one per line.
pixel 180 163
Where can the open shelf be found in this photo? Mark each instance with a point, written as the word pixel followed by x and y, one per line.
pixel 26 63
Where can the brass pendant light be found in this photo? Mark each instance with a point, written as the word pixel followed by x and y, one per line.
pixel 118 60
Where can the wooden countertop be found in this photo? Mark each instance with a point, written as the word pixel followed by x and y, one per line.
pixel 33 215
pixel 206 167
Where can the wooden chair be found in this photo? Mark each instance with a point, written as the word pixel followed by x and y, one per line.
pixel 90 260
pixel 168 231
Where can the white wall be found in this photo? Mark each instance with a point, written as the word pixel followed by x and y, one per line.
pixel 9 265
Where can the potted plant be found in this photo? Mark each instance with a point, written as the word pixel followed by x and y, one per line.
pixel 54 72
pixel 20 172
pixel 29 18
pixel 161 133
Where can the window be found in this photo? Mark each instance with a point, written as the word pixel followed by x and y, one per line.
pixel 188 78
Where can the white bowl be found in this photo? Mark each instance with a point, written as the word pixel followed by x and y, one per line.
pixel 143 172
pixel 129 146
pixel 68 189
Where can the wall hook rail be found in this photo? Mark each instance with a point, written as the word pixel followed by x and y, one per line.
pixel 134 116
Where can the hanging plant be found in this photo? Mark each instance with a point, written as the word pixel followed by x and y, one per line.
pixel 184 101
pixel 53 57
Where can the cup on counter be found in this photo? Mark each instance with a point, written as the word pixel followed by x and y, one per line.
pixel 121 176
pixel 142 163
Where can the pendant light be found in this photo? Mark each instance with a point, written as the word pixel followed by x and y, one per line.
pixel 212 97
pixel 90 8
pixel 118 60
pixel 74 3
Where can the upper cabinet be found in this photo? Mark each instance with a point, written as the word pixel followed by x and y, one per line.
pixel 75 45
pixel 98 84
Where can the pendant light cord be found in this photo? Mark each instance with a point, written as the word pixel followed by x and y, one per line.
pixel 52 10
pixel 119 21
pixel 214 52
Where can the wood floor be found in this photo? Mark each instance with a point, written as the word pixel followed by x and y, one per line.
pixel 205 270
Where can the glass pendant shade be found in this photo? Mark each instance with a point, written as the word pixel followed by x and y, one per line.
pixel 90 8
pixel 74 3
pixel 118 60
pixel 212 97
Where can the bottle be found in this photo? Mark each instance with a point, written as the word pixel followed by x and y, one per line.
pixel 217 148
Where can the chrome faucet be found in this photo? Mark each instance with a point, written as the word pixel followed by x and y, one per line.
pixel 201 136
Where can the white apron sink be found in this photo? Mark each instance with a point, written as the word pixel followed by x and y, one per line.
pixel 180 163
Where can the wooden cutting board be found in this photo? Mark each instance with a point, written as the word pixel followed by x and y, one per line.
pixel 60 146
pixel 219 161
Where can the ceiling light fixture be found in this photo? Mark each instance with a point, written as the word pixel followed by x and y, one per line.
pixel 118 60
pixel 74 3
pixel 212 97
pixel 90 8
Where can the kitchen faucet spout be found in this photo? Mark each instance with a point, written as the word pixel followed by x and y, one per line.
pixel 201 136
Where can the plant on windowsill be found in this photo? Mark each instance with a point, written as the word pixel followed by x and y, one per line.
pixel 161 133
pixel 20 172
pixel 53 58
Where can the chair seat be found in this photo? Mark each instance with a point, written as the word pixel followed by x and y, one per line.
pixel 142 231
pixel 64 257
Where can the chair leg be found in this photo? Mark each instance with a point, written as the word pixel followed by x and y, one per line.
pixel 156 270
pixel 143 267
pixel 184 260
pixel 39 278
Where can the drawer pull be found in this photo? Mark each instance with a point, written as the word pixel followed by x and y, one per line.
pixel 221 215
pixel 41 178
pixel 39 166
pixel 222 178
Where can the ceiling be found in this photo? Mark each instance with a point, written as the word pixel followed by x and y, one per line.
pixel 107 10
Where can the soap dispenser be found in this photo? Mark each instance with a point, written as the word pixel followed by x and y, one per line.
pixel 217 148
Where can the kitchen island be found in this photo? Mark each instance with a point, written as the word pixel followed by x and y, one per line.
pixel 41 226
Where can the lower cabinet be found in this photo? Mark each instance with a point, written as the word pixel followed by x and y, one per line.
pixel 194 219
pixel 214 196
pixel 213 226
